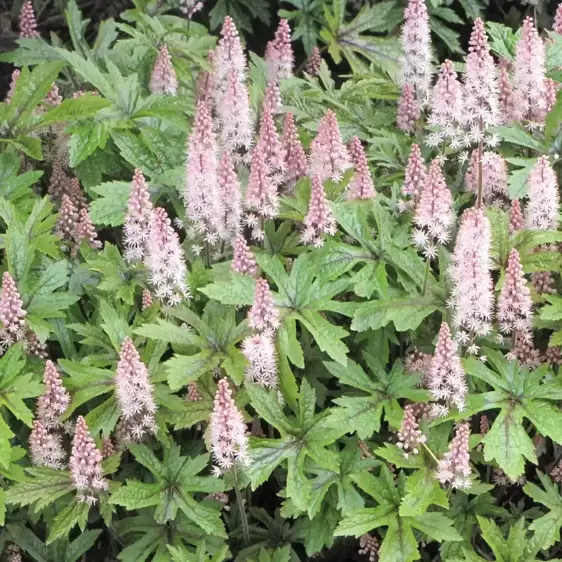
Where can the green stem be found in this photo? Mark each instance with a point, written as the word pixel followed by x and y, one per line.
pixel 240 502
pixel 426 276
pixel 207 255
pixel 431 453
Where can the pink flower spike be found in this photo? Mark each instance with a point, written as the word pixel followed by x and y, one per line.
pixel 328 155
pixel 472 297
pixel 260 351
pixel 12 314
pixel 85 230
pixel 557 27
pixel 271 147
pixel 243 261
pixel 54 402
pixel 230 55
pixel 408 111
pixel 416 48
pixel 434 215
pixel 67 219
pixel 279 53
pixel 361 186
pixel 163 78
pixel 229 441
pixel 416 173
pixel 446 103
pixel 53 96
pixel 230 197
pixel 12 87
pixel 201 193
pixel 205 82
pixel 135 395
pixel 455 465
pixel 85 464
pixel 272 99
pixel 45 448
pixel 313 62
pixel 319 221
pixel 410 435
pixel 446 379
pixel 544 199
pixel 261 192
pixel 515 303
pixel 165 260
pixel 481 108
pixel 137 219
pixel 531 88
pixel 146 299
pixel 27 22
pixel 295 157
pixel 516 219
pixel 494 176
pixel 506 97
pixel 263 315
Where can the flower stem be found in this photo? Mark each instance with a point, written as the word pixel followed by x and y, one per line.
pixel 431 453
pixel 426 276
pixel 240 502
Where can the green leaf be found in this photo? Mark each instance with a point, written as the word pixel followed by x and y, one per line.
pixel 74 109
pixel 517 135
pixel 406 313
pixel 136 495
pixel 209 519
pixel 238 290
pixel 111 207
pixel 508 443
pixel 422 490
pixel 81 545
pixel 327 336
pixel 183 369
pixel 85 139
pixel 76 513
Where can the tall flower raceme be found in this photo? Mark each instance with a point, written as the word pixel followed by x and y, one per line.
pixel 313 62
pixel 272 101
pixel 410 434
pixel 45 447
pixel 416 50
pixel 557 26
pixel 229 440
pixel 54 402
pixel 243 261
pixel 204 90
pixel 12 313
pixel 201 194
pixel 232 101
pixel 408 111
pixel 279 53
pixel 12 87
pixel 271 147
pixel 163 79
pixel 515 303
pixel 165 260
pixel 481 108
pixel 319 221
pixel 472 298
pixel 85 464
pixel 329 157
pixel 261 193
pixel 259 349
pixel 516 218
pixel 533 93
pixel 263 315
pixel 454 467
pixel 446 380
pixel 136 228
pixel 295 157
pixel 135 395
pixel 67 219
pixel 361 186
pixel 544 199
pixel 506 96
pixel 494 176
pixel 415 175
pixel 27 22
pixel 446 106
pixel 230 194
pixel 85 230
pixel 434 217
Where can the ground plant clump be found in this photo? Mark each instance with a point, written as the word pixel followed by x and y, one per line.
pixel 280 281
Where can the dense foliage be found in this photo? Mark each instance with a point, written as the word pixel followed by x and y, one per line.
pixel 262 309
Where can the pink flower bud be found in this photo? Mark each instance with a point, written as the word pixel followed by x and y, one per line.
pixel 163 79
pixel 319 221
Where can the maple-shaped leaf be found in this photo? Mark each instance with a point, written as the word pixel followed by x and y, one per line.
pixel 175 479
pixel 399 543
pixel 303 437
pixel 518 393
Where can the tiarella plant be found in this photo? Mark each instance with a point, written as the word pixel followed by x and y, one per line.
pixel 294 302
